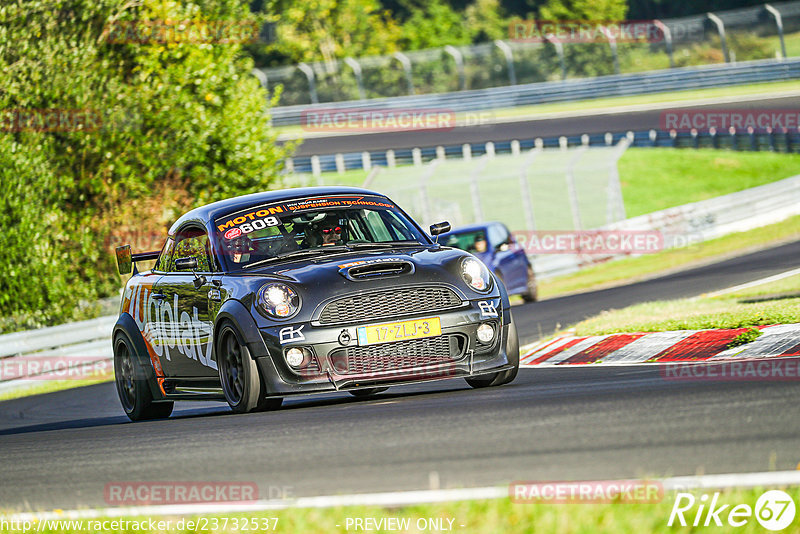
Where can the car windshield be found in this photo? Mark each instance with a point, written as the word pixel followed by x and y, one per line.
pixel 304 227
pixel 474 241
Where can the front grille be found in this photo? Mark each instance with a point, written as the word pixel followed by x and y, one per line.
pixel 386 304
pixel 399 355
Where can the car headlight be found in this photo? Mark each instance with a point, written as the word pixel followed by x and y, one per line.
pixel 475 274
pixel 278 300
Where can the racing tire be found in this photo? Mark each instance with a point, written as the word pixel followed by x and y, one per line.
pixel 532 292
pixel 132 388
pixel 502 377
pixel 367 392
pixel 239 376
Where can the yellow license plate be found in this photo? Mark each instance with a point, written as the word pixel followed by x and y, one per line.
pixel 389 332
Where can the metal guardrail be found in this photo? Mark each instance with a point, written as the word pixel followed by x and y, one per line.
pixel 87 342
pixel 776 141
pixel 678 79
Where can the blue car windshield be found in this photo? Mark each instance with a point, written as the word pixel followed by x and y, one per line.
pixel 269 231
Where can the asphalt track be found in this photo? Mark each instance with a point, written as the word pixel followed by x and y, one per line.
pixel 621 121
pixel 61 449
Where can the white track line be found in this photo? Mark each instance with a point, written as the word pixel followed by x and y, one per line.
pixel 400 498
pixel 754 283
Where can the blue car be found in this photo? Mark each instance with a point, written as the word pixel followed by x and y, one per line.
pixel 494 245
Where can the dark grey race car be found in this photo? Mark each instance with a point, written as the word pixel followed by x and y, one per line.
pixel 299 291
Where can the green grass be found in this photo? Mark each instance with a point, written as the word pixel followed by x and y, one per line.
pixel 773 303
pixel 658 178
pixel 627 270
pixel 491 516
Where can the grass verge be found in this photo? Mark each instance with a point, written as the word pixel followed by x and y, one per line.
pixel 468 517
pixel 654 179
pixel 772 303
pixel 632 269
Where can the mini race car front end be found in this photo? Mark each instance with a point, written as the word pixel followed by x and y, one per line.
pixel 438 342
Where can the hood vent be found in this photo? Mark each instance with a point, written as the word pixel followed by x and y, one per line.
pixel 370 271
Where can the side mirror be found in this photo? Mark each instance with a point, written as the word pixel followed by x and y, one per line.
pixel 440 228
pixel 124 259
pixel 502 247
pixel 188 263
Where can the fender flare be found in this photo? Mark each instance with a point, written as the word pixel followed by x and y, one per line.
pixel 503 300
pixel 144 370
pixel 244 324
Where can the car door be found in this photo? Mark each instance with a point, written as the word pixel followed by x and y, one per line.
pixel 184 290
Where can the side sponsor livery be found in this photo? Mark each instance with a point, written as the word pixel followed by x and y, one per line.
pixel 163 328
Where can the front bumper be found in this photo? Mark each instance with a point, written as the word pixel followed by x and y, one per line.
pixel 466 356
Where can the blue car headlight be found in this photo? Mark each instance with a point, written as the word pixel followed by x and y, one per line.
pixel 278 300
pixel 476 275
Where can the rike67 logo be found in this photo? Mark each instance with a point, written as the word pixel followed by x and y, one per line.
pixel 774 510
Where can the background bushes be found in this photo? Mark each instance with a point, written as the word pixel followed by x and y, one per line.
pixel 178 125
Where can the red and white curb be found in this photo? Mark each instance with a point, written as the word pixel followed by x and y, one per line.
pixel 663 347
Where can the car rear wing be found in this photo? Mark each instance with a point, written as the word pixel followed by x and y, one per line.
pixel 126 261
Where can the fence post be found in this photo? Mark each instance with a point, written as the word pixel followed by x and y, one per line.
pixel 339 163
pixel 527 204
pixel 477 207
pixel 616 203
pixel 416 156
pixel 721 29
pixel 506 50
pixel 366 161
pixel 560 51
pixel 359 78
pixel 459 59
pixel 667 41
pixel 406 63
pixel 514 147
pixel 612 43
pixel 262 77
pixel 390 161
pixel 312 83
pixel 315 168
pixel 466 151
pixel 572 190
pixel 779 23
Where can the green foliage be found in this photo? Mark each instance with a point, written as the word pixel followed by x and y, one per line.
pixel 189 115
pixel 326 30
pixel 748 336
